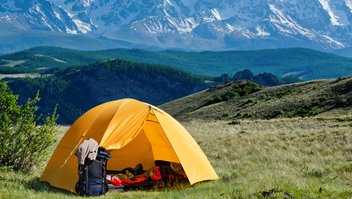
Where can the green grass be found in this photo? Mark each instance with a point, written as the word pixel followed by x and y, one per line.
pixel 298 156
pixel 305 99
pixel 280 158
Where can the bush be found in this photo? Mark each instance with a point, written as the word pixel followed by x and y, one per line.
pixel 213 100
pixel 349 101
pixel 229 95
pixel 23 141
pixel 340 102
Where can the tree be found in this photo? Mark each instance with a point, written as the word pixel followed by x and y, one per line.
pixel 24 137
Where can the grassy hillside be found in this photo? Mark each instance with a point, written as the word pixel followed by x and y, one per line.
pixel 280 158
pixel 78 89
pixel 304 63
pixel 244 99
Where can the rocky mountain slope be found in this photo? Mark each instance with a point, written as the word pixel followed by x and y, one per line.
pixel 195 24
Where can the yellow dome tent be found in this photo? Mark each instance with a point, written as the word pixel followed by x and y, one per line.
pixel 133 132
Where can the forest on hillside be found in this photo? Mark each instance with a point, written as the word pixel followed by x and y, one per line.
pixel 301 63
pixel 77 89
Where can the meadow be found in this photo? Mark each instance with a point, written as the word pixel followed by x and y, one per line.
pixel 277 158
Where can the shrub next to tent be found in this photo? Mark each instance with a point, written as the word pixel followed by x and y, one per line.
pixel 23 142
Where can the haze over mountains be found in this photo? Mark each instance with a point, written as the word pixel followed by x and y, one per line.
pixel 180 24
pixel 305 64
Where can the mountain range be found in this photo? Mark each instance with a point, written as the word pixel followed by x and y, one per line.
pixel 305 64
pixel 182 24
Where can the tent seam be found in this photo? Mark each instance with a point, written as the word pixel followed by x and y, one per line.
pixel 168 139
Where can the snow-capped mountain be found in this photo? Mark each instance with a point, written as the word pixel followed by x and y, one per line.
pixel 36 15
pixel 192 24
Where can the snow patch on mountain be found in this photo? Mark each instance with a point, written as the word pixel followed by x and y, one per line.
pixel 261 32
pixel 333 18
pixel 215 14
pixel 6 18
pixel 286 24
pixel 37 11
pixel 333 43
pixel 349 4
pixel 82 27
pixel 167 2
pixel 230 28
pixel 87 3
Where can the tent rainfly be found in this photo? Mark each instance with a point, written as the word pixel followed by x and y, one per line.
pixel 133 132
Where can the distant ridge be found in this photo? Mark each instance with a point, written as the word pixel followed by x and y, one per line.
pixel 303 63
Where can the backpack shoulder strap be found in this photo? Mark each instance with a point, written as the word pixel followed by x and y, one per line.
pixel 86 179
pixel 105 184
